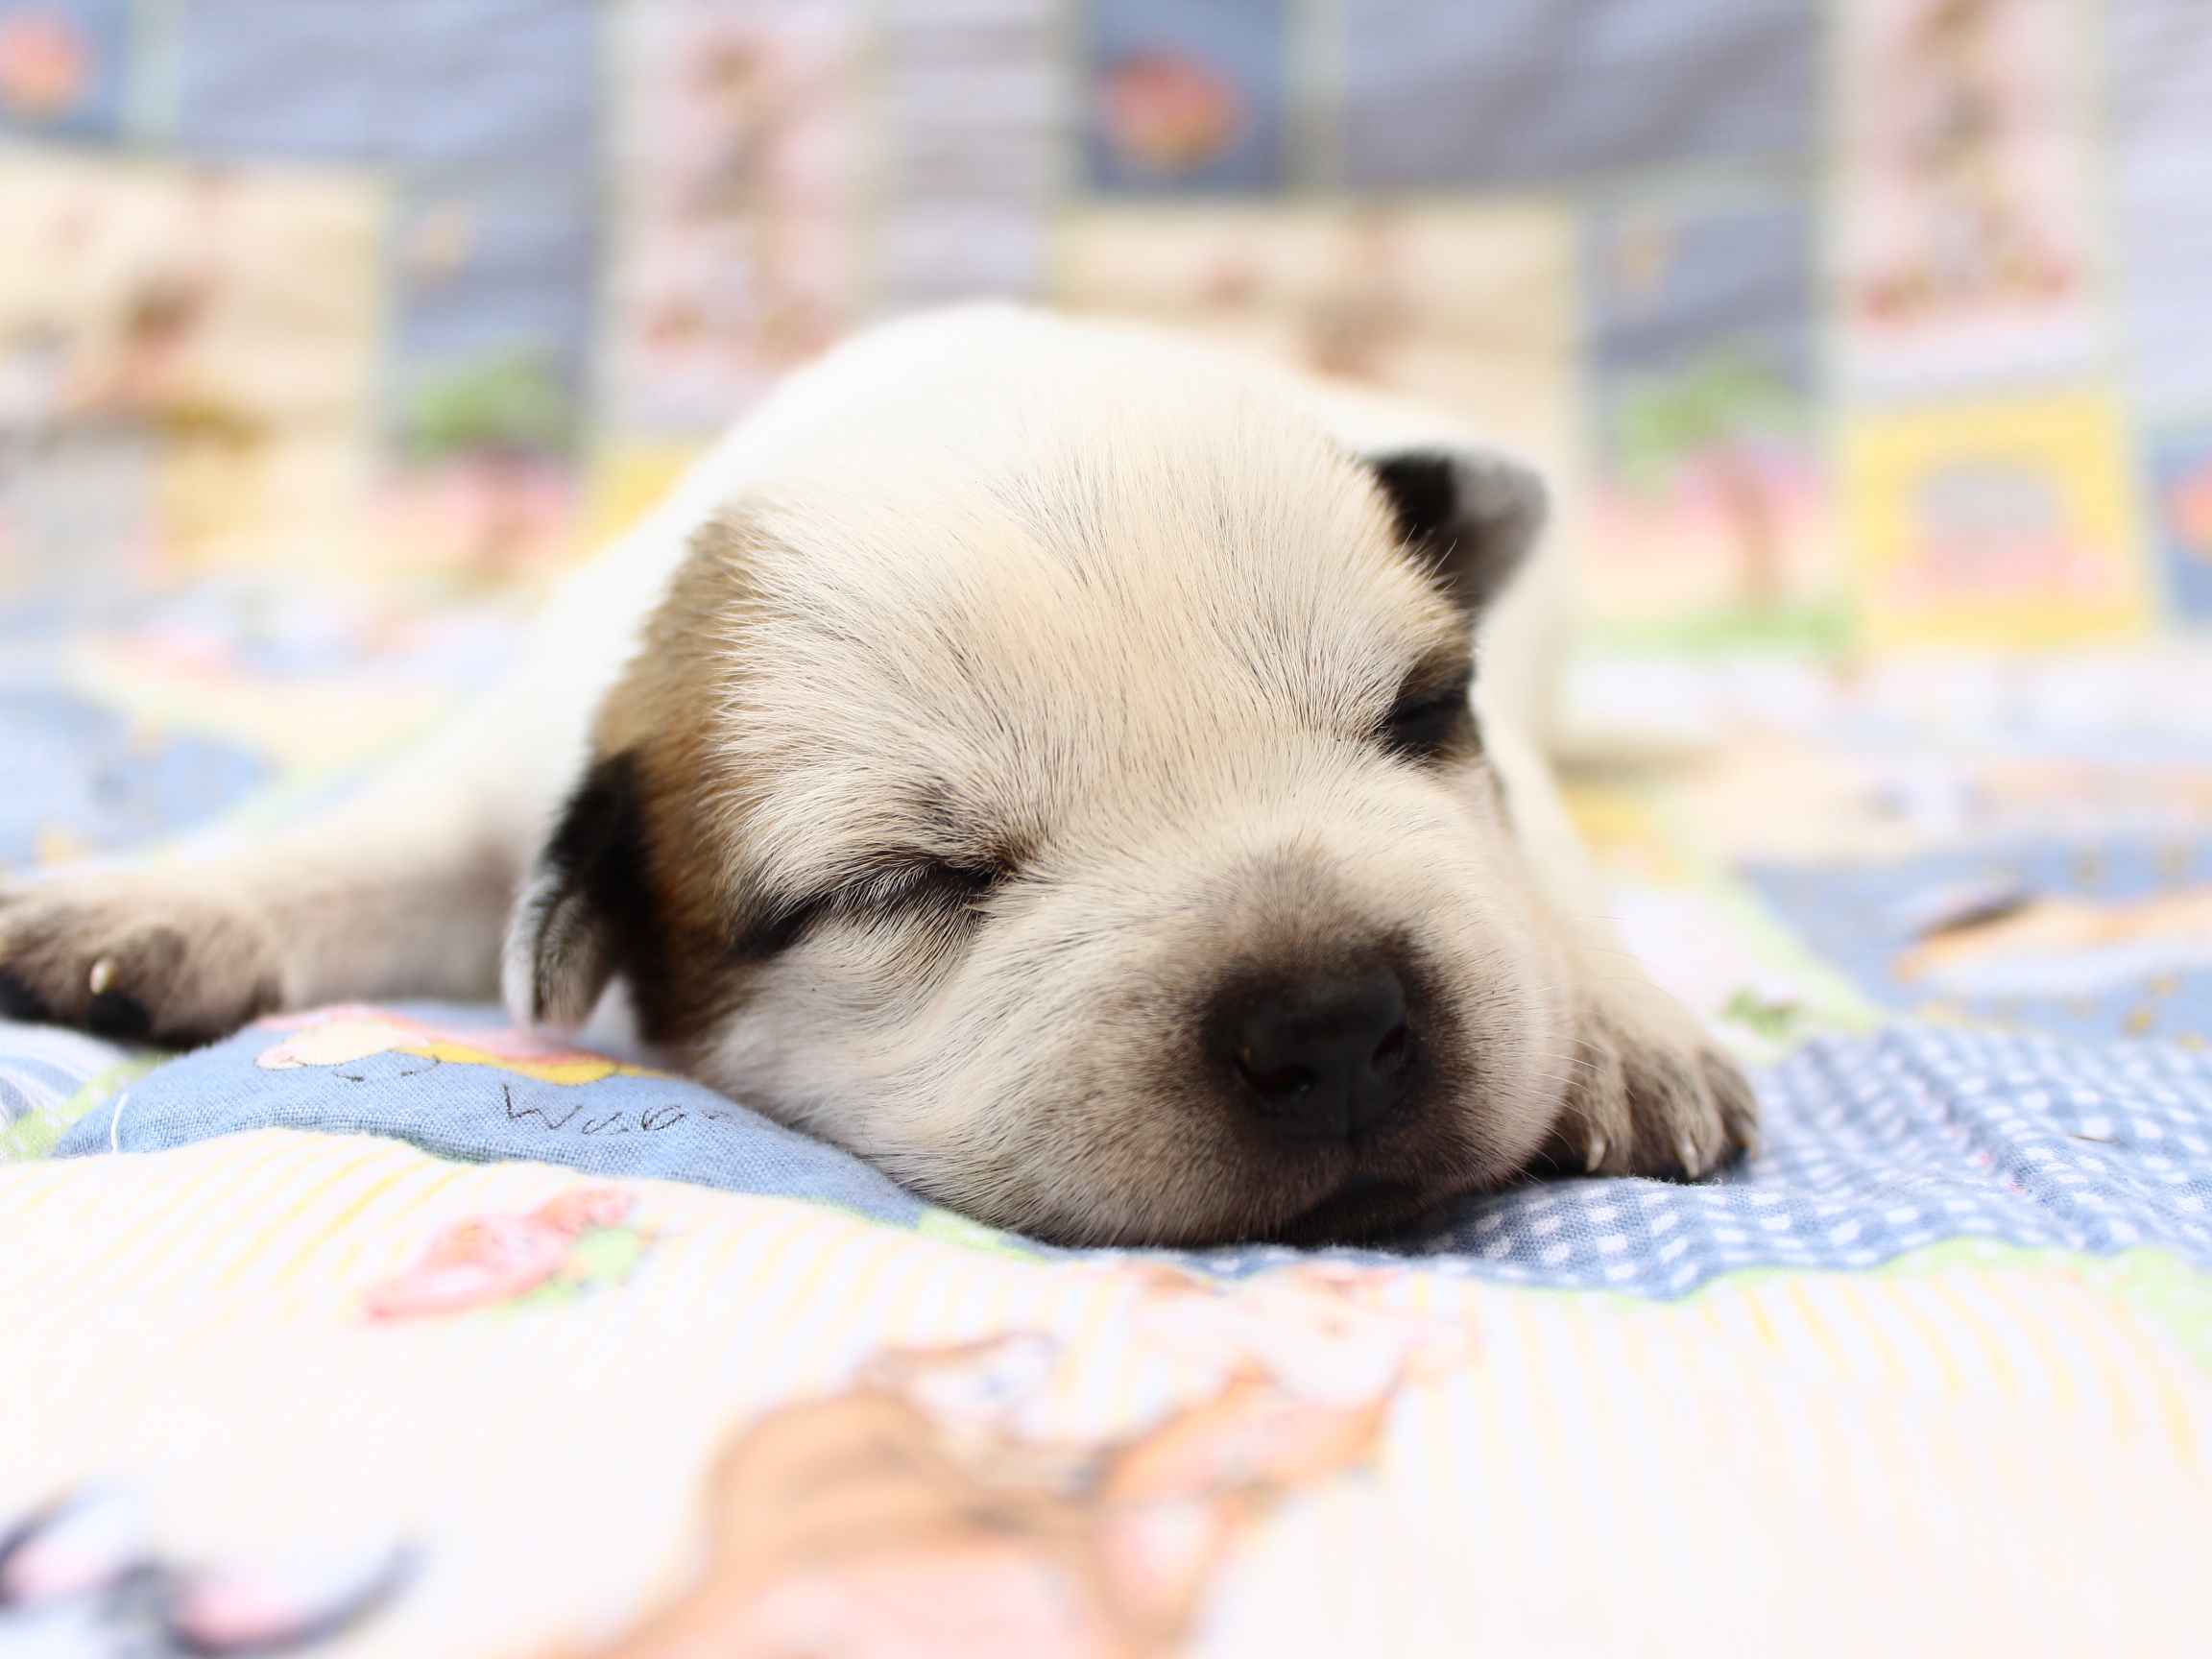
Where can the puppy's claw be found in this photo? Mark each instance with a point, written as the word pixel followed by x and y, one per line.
pixel 1738 1107
pixel 153 957
pixel 1652 1095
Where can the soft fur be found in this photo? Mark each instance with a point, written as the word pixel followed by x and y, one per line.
pixel 992 725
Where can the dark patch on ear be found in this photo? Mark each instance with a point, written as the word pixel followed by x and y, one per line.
pixel 1470 515
pixel 1425 495
pixel 592 909
pixel 598 832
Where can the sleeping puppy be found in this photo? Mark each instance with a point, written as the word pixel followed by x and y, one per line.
pixel 1036 756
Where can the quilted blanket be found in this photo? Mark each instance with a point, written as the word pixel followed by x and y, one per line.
pixel 393 1330
pixel 1869 341
pixel 563 1356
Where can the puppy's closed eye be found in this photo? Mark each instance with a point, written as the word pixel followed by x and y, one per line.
pixel 918 888
pixel 954 881
pixel 1431 721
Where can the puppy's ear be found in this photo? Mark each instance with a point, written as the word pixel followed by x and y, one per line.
pixel 1471 516
pixel 587 892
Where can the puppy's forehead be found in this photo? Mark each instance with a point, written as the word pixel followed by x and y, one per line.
pixel 986 618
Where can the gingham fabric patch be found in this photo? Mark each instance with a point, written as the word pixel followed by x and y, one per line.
pixel 1881 1145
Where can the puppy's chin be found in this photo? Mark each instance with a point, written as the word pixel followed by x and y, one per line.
pixel 1208 1204
pixel 1362 1208
pixel 1186 1173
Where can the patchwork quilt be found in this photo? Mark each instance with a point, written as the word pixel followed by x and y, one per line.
pixel 395 1331
pixel 327 331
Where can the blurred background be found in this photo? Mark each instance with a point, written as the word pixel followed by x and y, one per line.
pixel 1870 340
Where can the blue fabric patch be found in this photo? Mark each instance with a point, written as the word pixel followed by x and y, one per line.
pixel 663 1128
pixel 1863 916
pixel 85 45
pixel 1875 1146
pixel 70 766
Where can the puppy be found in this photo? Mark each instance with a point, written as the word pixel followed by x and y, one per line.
pixel 1036 756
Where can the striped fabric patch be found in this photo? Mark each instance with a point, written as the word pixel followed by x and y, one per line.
pixel 51 1077
pixel 546 1390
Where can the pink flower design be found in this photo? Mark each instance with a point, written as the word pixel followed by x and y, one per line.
pixel 488 1260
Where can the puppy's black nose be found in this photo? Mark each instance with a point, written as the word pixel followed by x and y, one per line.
pixel 1324 1057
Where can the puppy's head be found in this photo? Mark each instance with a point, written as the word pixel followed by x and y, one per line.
pixel 1066 797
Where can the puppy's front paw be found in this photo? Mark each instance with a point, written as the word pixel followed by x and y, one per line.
pixel 161 957
pixel 1652 1095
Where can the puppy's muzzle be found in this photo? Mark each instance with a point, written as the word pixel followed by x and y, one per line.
pixel 1323 1056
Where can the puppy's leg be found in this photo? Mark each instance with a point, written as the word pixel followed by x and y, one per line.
pixel 1652 1095
pixel 403 889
